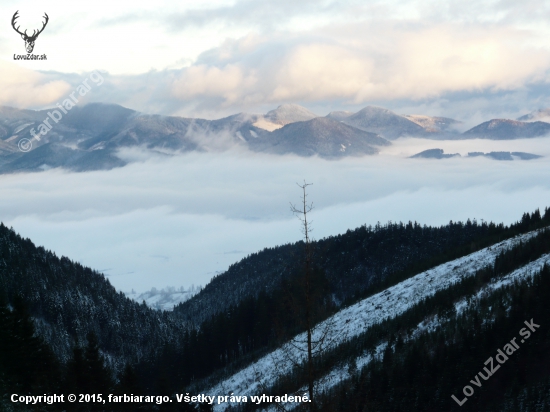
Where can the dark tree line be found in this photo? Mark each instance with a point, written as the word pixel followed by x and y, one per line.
pixel 357 263
pixel 29 367
pixel 27 364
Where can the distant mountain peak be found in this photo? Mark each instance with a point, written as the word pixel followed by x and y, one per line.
pixel 382 121
pixel 433 124
pixel 321 136
pixel 506 129
pixel 289 113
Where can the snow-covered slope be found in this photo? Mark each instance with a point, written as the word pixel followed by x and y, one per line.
pixel 356 319
pixel 434 124
pixel 384 122
pixel 289 113
pixel 429 325
pixel 284 114
pixel 339 115
pixel 506 129
pixel 165 299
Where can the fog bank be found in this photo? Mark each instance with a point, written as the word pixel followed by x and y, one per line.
pixel 176 221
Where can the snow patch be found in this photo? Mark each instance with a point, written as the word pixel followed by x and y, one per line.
pixel 165 299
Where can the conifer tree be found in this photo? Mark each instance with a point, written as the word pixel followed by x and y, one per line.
pixel 99 378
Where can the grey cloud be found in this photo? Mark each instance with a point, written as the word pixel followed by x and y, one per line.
pixel 151 93
pixel 132 17
pixel 259 15
pixel 266 16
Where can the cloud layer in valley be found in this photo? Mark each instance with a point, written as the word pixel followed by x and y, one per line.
pixel 178 221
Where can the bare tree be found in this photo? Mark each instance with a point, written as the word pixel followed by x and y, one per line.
pixel 319 336
pixel 305 297
pixel 301 213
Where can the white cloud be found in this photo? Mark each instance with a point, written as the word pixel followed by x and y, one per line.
pixel 201 80
pixel 398 63
pixel 24 87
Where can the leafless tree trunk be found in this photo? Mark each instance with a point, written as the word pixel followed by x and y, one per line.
pixel 304 299
pixel 302 213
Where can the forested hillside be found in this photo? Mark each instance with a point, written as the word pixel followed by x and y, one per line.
pixel 246 330
pixel 404 362
pixel 68 301
pixel 355 263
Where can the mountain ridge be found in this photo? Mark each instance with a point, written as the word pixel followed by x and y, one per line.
pixel 322 136
pixel 373 310
pixel 384 122
pixel 506 129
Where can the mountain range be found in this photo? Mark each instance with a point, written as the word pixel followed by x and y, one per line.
pixel 90 137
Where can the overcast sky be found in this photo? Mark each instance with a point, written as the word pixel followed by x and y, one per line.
pixel 465 59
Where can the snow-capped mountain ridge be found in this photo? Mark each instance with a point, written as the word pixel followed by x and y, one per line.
pixel 506 129
pixel 384 122
pixel 433 124
pixel 289 113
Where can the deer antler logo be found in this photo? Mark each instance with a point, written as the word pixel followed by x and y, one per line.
pixel 29 40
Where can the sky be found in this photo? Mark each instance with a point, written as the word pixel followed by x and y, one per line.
pixel 178 221
pixel 470 60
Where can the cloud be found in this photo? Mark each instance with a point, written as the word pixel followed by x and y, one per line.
pixel 203 211
pixel 204 81
pixel 407 64
pixel 23 88
pixel 224 57
pixel 415 63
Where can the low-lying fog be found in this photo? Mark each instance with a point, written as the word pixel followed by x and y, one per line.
pixel 176 221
